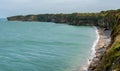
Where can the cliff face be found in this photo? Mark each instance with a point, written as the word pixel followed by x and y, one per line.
pixel 111 58
pixel 72 19
pixel 90 19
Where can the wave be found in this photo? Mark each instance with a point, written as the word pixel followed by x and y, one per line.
pixel 93 51
pixel 94 45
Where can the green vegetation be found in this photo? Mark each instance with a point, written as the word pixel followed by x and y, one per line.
pixel 72 19
pixel 111 59
pixel 102 19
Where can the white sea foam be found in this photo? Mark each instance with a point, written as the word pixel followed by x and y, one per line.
pixel 95 43
pixel 93 51
pixel 94 46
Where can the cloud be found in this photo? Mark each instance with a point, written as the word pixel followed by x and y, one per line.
pixel 15 7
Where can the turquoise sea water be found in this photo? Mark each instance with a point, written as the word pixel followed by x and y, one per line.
pixel 43 46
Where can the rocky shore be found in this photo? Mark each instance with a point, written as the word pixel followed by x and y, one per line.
pixel 100 48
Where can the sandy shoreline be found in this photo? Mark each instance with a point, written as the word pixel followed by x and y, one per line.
pixel 99 49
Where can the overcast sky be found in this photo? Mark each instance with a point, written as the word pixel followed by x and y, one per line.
pixel 23 7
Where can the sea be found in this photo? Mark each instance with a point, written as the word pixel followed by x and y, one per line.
pixel 44 46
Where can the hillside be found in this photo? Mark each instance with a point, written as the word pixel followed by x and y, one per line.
pixel 111 59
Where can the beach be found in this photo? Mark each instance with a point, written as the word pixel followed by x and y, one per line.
pixel 103 40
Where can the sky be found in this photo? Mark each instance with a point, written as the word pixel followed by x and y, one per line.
pixel 24 7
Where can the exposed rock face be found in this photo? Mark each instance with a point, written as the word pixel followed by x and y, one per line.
pixel 72 19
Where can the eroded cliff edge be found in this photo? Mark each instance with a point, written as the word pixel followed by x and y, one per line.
pixel 110 60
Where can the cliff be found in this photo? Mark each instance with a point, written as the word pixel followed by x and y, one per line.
pixel 71 19
pixel 90 19
pixel 110 60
